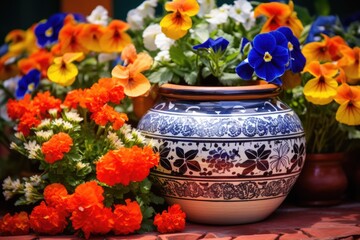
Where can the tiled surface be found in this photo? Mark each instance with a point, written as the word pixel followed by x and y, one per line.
pixel 287 223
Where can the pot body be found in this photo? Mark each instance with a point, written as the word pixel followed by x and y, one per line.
pixel 323 181
pixel 226 161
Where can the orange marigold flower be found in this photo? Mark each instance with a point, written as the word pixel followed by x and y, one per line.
pixel 127 218
pixel 74 98
pixel 44 102
pixel 56 195
pixel 47 220
pixel 279 14
pixel 170 221
pixel 114 89
pixel 86 194
pixel 69 39
pixel 18 224
pixel 94 219
pixel 109 114
pixel 27 121
pixel 125 165
pixel 115 38
pixel 56 146
pixel 16 108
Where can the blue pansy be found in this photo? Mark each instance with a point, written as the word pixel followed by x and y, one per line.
pixel 269 55
pixel 4 49
pixel 47 32
pixel 297 61
pixel 322 24
pixel 219 44
pixel 243 44
pixel 28 83
pixel 244 70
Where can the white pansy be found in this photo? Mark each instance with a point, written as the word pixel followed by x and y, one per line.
pixel 163 56
pixel 98 16
pixel 163 42
pixel 44 123
pixel 45 135
pixel 73 116
pixel 206 6
pixel 135 17
pixel 149 36
pixel 219 15
pixel 242 13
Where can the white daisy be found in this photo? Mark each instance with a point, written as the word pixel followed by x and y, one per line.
pixel 80 165
pixel 35 180
pixel 32 148
pixel 53 112
pixel 44 123
pixel 45 135
pixel 8 195
pixel 73 116
pixel 98 16
pixel 114 140
pixel 29 191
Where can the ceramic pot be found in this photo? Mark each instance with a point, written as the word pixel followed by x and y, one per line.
pixel 322 182
pixel 228 155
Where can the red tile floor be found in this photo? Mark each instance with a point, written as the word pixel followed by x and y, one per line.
pixel 289 222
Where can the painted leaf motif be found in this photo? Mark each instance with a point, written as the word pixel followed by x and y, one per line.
pixel 194 165
pixel 165 163
pixel 179 162
pixel 251 154
pixel 249 166
pixel 180 152
pixel 265 154
pixel 262 165
pixel 190 155
pixel 183 169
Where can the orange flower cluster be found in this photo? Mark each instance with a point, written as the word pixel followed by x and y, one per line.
pixel 40 60
pixel 96 98
pixel 29 112
pixel 127 218
pixel 18 224
pixel 170 221
pixel 55 148
pixel 126 165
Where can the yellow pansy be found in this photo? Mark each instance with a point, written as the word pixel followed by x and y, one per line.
pixel 63 71
pixel 349 99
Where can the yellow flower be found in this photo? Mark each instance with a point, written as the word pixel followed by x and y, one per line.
pixel 176 24
pixel 349 99
pixel 63 71
pixel 321 89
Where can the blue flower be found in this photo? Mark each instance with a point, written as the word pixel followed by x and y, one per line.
pixel 322 24
pixel 4 49
pixel 269 57
pixel 48 31
pixel 297 61
pixel 219 44
pixel 28 83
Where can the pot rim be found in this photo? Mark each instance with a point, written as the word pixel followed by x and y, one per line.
pixel 187 92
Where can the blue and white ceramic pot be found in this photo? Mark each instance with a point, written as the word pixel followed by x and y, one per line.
pixel 229 155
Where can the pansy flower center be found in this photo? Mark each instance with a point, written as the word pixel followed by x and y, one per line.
pixel 49 32
pixel 267 57
pixel 31 87
pixel 290 46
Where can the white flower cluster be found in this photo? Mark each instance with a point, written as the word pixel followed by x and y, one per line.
pixel 28 188
pixel 98 16
pixel 135 17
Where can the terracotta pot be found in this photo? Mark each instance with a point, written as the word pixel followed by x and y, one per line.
pixel 323 181
pixel 228 155
pixel 143 103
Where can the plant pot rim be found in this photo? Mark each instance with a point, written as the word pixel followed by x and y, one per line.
pixel 187 92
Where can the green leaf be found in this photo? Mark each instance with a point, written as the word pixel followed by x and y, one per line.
pixel 190 78
pixel 161 76
pixel 229 79
pixel 156 199
pixel 177 55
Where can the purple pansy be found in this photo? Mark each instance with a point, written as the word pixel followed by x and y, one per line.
pixel 47 32
pixel 219 44
pixel 28 83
